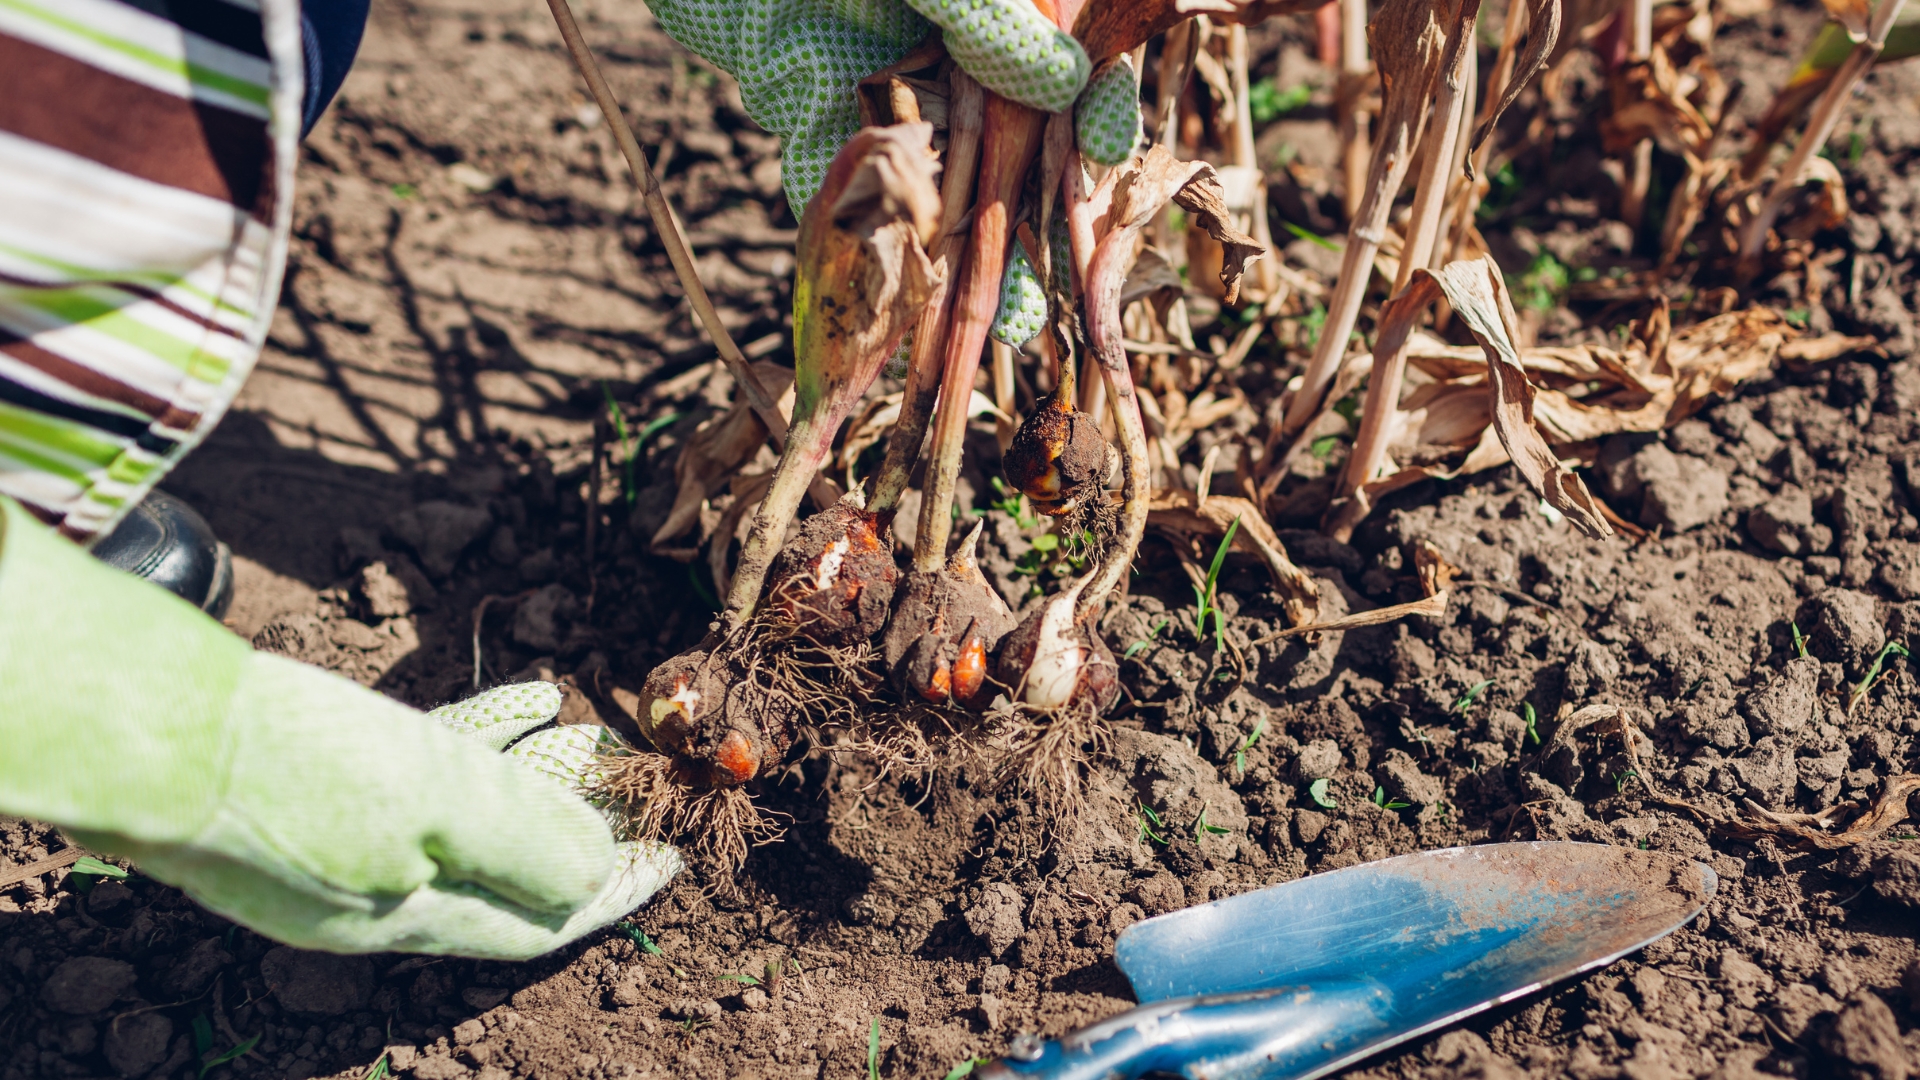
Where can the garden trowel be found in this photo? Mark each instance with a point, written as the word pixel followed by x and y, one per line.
pixel 1298 980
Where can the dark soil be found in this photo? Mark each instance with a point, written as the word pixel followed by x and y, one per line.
pixel 471 276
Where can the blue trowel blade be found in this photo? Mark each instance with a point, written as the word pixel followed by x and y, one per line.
pixel 1445 933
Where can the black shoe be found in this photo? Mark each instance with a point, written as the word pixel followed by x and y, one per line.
pixel 167 542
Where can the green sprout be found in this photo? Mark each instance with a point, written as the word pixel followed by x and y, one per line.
pixel 379 1070
pixel 1013 504
pixel 1797 317
pixel 1310 237
pixel 1799 641
pixel 1246 744
pixel 87 864
pixel 203 1045
pixel 1544 283
pixel 1533 722
pixel 1380 799
pixel 1204 598
pixel 1267 102
pixel 1873 675
pixel 1620 782
pixel 873 1050
pixel 1318 792
pixel 1472 695
pixel 1135 649
pixel 743 980
pixel 965 1068
pixel 1203 829
pixel 647 946
pixel 1322 447
pixel 403 191
pixel 630 444
pixel 1148 820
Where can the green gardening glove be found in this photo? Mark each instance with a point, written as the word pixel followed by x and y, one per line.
pixel 295 802
pixel 798 61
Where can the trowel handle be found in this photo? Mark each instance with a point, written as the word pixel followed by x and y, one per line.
pixel 1274 1034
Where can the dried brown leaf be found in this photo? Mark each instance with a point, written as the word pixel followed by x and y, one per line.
pixel 1478 294
pixel 1543 33
pixel 719 447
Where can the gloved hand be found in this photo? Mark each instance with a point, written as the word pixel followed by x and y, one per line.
pixel 290 800
pixel 798 63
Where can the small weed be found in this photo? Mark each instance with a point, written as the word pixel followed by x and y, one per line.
pixel 1148 819
pixel 380 1069
pixel 1267 102
pixel 1799 641
pixel 743 980
pixel 647 946
pixel 89 865
pixel 1318 792
pixel 630 443
pixel 203 1045
pixel 1504 189
pixel 1797 317
pixel 1312 323
pixel 1620 782
pixel 1544 283
pixel 1873 675
pixel 1246 744
pixel 965 1068
pixel 692 1025
pixel 1472 695
pixel 1311 238
pixel 1201 828
pixel 1013 504
pixel 873 1050
pixel 1348 407
pixel 1204 598
pixel 1134 649
pixel 1533 722
pixel 1048 556
pixel 1322 447
pixel 403 191
pixel 1380 799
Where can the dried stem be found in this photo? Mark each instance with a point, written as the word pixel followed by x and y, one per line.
pixel 966 107
pixel 1826 116
pixel 1633 199
pixel 1423 232
pixel 1011 135
pixel 1405 76
pixel 671 237
pixel 1354 121
pixel 808 446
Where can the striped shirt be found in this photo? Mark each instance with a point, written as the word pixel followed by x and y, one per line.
pixel 147 151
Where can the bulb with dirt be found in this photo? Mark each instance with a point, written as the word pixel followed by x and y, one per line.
pixel 720 726
pixel 1058 459
pixel 833 583
pixel 1055 660
pixel 944 628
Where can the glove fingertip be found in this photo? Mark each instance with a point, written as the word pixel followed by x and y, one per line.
pixel 498 716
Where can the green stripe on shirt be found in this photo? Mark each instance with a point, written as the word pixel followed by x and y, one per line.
pixel 197 74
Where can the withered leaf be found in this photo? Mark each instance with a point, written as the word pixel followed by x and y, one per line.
pixel 1478 294
pixel 1108 28
pixel 1543 33
pixel 719 447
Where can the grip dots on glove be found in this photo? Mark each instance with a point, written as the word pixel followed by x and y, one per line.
pixel 1023 303
pixel 498 716
pixel 1108 119
pixel 1012 49
pixel 566 753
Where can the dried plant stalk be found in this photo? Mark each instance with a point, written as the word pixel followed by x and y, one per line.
pixel 1406 44
pixel 1142 189
pixel 1011 137
pixel 1826 116
pixel 668 229
pixel 1479 297
pixel 1350 90
pixel 966 112
pixel 1633 199
pixel 863 276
